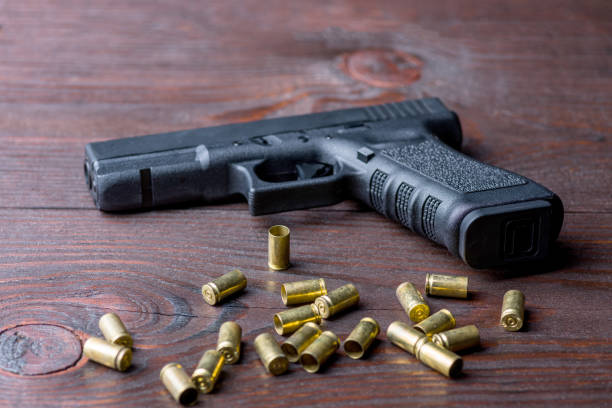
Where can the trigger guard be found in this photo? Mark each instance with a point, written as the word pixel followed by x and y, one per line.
pixel 270 197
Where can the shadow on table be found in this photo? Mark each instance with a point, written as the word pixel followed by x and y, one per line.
pixel 561 257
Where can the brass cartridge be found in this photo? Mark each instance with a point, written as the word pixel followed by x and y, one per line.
pixel 438 322
pixel 207 371
pixel 224 286
pixel 302 338
pixel 114 331
pixel 513 310
pixel 458 339
pixel 446 286
pixel 278 247
pixel 295 293
pixel 412 302
pixel 361 338
pixel 230 334
pixel 337 300
pixel 405 337
pixel 288 321
pixel 319 351
pixel 443 361
pixel 108 354
pixel 270 354
pixel 178 384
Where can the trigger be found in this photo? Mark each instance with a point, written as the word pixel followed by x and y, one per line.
pixel 313 170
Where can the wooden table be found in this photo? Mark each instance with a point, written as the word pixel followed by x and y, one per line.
pixel 530 81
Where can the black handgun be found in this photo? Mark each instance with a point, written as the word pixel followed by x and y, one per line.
pixel 398 158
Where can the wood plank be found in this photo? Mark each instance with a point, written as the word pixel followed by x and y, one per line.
pixel 66 268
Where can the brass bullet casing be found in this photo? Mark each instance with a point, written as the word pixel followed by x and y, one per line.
pixel 404 336
pixel 361 338
pixel 440 359
pixel 438 322
pixel 278 247
pixel 319 351
pixel 114 331
pixel 230 334
pixel 207 371
pixel 413 341
pixel 458 339
pixel 270 354
pixel 412 302
pixel 288 321
pixel 108 354
pixel 224 286
pixel 337 300
pixel 295 293
pixel 298 341
pixel 446 285
pixel 513 310
pixel 178 384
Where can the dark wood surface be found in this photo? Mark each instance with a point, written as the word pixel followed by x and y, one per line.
pixel 531 82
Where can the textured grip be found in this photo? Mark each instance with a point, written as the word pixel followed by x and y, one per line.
pixel 415 201
pixel 486 215
pixel 377 185
pixel 451 168
pixel 402 204
pixel 428 218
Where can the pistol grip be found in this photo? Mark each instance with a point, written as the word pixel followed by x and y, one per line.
pixel 486 215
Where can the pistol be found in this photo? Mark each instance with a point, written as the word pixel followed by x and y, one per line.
pixel 401 159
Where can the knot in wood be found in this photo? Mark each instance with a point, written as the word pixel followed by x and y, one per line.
pixel 38 349
pixel 383 68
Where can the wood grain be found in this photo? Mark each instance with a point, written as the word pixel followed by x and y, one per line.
pixel 151 272
pixel 530 81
